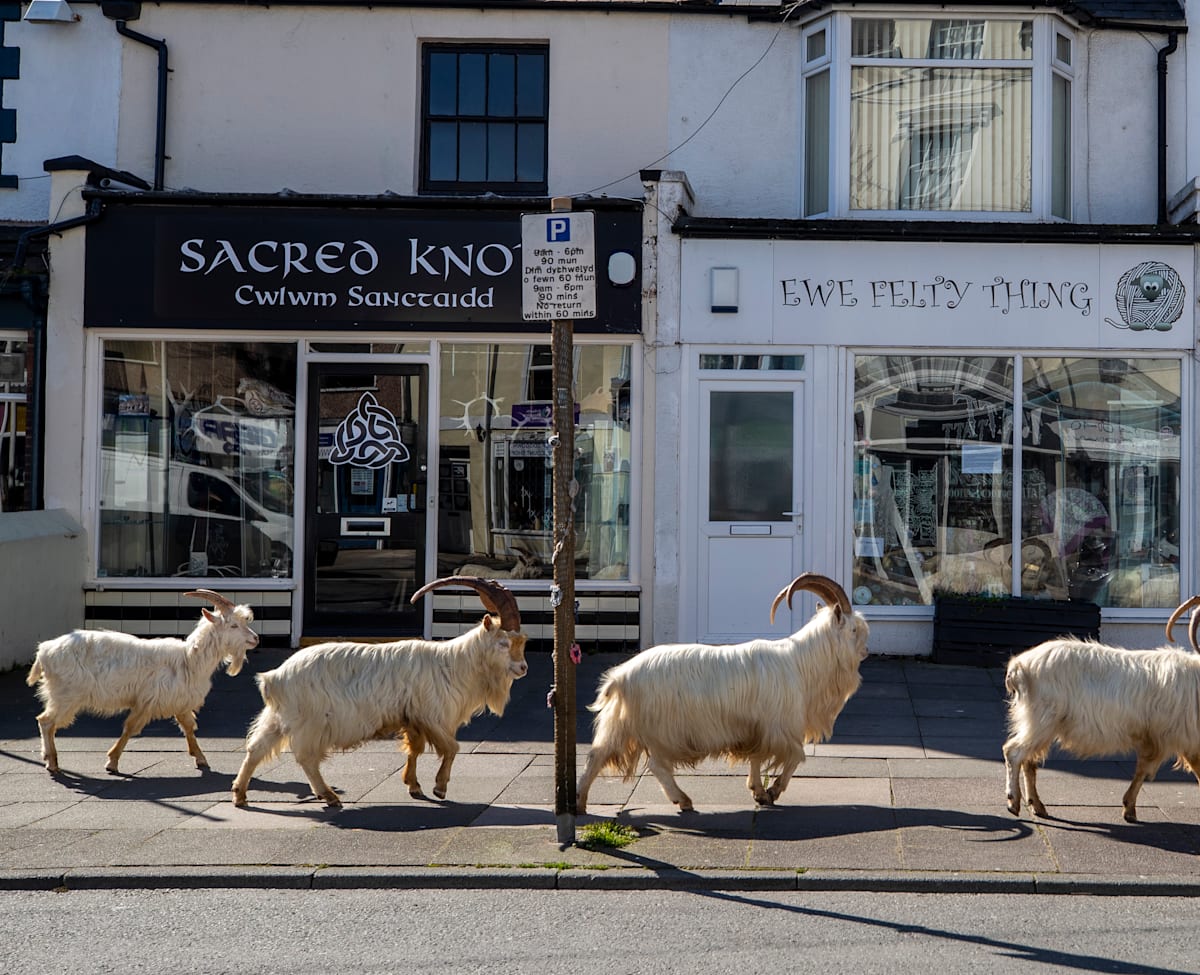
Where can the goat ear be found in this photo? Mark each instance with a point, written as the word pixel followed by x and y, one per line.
pixel 210 615
pixel 487 621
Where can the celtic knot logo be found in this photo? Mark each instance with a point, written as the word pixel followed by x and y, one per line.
pixel 368 437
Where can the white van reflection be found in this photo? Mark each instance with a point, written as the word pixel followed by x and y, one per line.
pixel 217 523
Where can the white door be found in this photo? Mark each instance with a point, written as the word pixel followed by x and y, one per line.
pixel 750 506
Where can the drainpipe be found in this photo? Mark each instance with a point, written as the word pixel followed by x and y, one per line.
pixel 1163 54
pixel 125 10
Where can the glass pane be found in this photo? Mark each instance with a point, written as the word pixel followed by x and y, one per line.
pixel 1060 150
pixel 14 419
pixel 472 152
pixel 502 152
pixel 531 85
pixel 959 39
pixel 472 84
pixel 1062 48
pixel 816 144
pixel 197 446
pixel 495 471
pixel 443 83
pixel 531 153
pixel 750 456
pixel 1101 475
pixel 751 363
pixel 502 82
pixel 941 139
pixel 443 151
pixel 932 496
pixel 815 46
pixel 369 496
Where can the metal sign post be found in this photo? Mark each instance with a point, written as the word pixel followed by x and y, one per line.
pixel 559 285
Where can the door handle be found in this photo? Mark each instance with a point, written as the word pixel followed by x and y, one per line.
pixel 798 515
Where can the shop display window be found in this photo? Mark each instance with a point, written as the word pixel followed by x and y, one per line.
pixel 197 447
pixel 937 442
pixel 495 470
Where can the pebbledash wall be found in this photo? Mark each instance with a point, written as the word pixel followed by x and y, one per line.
pixel 320 445
pixel 909 377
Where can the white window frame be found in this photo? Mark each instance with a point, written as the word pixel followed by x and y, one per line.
pixel 1043 64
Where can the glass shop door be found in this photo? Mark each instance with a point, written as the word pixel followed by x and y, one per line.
pixel 367 469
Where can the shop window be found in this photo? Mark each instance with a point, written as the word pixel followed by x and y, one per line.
pixel 495 471
pixel 15 442
pixel 1098 453
pixel 1100 442
pixel 484 118
pixel 937 115
pixel 932 497
pixel 197 445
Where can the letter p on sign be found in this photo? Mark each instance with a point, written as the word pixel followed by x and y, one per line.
pixel 558 229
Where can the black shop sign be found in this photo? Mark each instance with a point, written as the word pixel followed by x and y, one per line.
pixel 278 267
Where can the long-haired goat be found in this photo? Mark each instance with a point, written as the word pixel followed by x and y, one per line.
pixel 104 672
pixel 1094 699
pixel 335 696
pixel 760 701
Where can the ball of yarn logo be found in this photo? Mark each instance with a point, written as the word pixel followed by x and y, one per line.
pixel 1150 295
pixel 369 436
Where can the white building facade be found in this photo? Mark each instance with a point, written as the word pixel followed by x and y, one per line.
pixel 885 292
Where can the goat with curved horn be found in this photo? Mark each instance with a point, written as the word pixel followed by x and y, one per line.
pixel 334 696
pixel 1193 623
pixel 822 586
pixel 213 597
pixel 496 599
pixel 761 701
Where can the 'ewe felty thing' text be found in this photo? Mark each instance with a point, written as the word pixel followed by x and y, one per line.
pixel 1001 294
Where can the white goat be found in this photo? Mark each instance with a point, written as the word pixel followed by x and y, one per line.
pixel 1094 699
pixel 760 701
pixel 335 696
pixel 104 672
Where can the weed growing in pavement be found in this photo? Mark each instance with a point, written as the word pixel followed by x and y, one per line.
pixel 606 834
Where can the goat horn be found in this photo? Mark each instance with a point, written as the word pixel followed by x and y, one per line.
pixel 213 597
pixel 824 587
pixel 496 598
pixel 1193 624
pixel 1183 608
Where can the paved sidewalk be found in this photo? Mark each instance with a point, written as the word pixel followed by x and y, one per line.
pixel 908 795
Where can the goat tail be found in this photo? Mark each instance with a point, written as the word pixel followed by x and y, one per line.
pixel 35 672
pixel 1016 678
pixel 615 737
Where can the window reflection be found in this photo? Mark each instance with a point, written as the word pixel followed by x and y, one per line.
pixel 1101 460
pixel 196 460
pixel 933 499
pixel 495 471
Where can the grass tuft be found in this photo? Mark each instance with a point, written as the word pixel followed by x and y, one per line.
pixel 606 834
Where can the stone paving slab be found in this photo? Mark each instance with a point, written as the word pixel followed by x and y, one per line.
pixel 908 794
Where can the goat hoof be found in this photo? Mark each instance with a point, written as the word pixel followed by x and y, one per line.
pixel 765 799
pixel 439 793
pixel 1014 807
pixel 1131 816
pixel 239 801
pixel 332 801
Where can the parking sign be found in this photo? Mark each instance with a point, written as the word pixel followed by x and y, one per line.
pixel 558 254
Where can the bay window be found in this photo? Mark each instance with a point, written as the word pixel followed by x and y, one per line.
pixel 937 116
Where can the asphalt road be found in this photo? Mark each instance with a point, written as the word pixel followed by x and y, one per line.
pixel 265 932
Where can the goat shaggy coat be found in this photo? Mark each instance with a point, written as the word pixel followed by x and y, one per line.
pixel 105 673
pixel 1093 700
pixel 335 696
pixel 760 702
